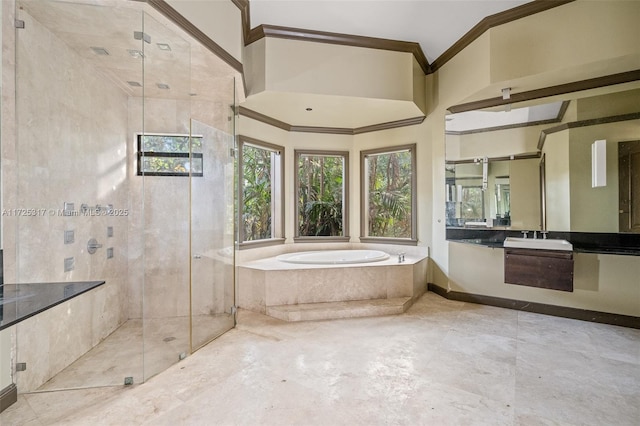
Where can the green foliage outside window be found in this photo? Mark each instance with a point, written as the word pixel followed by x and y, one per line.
pixel 320 195
pixel 256 193
pixel 169 155
pixel 390 184
pixel 472 206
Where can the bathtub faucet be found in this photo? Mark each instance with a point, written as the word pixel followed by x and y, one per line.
pixel 401 257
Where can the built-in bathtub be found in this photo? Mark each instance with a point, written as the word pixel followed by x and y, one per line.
pixel 333 257
pixel 323 284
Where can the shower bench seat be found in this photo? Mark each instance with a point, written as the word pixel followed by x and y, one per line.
pixel 21 301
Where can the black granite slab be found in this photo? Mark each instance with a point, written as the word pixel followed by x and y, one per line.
pixel 583 242
pixel 21 301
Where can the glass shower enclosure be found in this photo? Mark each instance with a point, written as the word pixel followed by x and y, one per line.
pixel 124 141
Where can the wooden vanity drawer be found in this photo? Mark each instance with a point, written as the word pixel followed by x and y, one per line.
pixel 552 269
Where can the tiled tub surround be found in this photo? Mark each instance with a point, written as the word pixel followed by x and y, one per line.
pixel 298 292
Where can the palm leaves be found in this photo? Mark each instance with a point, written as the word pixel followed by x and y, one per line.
pixel 320 195
pixel 390 195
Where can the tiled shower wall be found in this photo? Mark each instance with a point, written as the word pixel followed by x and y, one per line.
pixel 163 203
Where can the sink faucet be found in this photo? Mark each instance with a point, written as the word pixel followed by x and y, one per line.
pixel 401 257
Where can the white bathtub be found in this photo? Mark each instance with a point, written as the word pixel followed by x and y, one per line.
pixel 333 257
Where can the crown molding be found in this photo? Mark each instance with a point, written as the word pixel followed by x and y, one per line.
pixel 561 89
pixel 169 12
pixel 275 31
pixel 488 22
pixel 495 20
pixel 246 112
pixel 585 123
pixel 249 113
pixel 245 13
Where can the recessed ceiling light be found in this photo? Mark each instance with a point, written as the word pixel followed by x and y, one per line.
pixel 309 109
pixel 134 84
pixel 100 51
pixel 164 46
pixel 162 86
pixel 135 53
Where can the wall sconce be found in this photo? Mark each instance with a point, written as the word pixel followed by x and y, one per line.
pixel 599 163
pixel 485 173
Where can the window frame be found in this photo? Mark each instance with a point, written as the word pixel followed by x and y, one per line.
pixel 277 224
pixel 345 196
pixel 142 154
pixel 364 190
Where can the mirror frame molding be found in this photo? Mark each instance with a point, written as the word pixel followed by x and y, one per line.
pixel 561 89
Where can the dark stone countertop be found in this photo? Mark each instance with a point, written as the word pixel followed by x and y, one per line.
pixel 21 301
pixel 583 242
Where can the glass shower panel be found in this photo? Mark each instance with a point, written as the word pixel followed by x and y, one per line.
pixel 164 169
pixel 212 228
pixel 68 199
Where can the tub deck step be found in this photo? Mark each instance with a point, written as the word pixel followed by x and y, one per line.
pixel 335 310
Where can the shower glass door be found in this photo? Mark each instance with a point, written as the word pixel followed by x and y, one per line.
pixel 164 168
pixel 212 227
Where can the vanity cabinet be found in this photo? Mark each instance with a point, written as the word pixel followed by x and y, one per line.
pixel 552 269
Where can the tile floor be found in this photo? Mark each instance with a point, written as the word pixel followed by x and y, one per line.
pixel 441 363
pixel 123 353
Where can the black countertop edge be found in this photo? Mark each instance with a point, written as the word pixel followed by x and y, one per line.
pixel 38 298
pixel 583 242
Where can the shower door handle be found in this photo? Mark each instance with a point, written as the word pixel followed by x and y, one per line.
pixel 197 256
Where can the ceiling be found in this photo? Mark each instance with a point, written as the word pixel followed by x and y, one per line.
pixel 182 71
pixel 435 24
pixel 108 24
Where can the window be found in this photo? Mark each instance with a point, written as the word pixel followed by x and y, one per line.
pixel 260 191
pixel 472 203
pixel 169 155
pixel 321 194
pixel 388 188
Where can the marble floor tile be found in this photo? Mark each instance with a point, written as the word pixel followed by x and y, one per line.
pixel 440 363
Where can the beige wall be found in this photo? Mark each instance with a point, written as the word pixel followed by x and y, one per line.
pixel 524 180
pixel 581 40
pixel 328 69
pixel 576 38
pixel 596 209
pixel 606 283
pixel 558 193
pixel 220 20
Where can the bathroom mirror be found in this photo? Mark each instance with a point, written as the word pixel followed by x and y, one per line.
pixel 561 130
pixel 503 197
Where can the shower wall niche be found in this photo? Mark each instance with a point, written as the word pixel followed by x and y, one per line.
pixel 90 78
